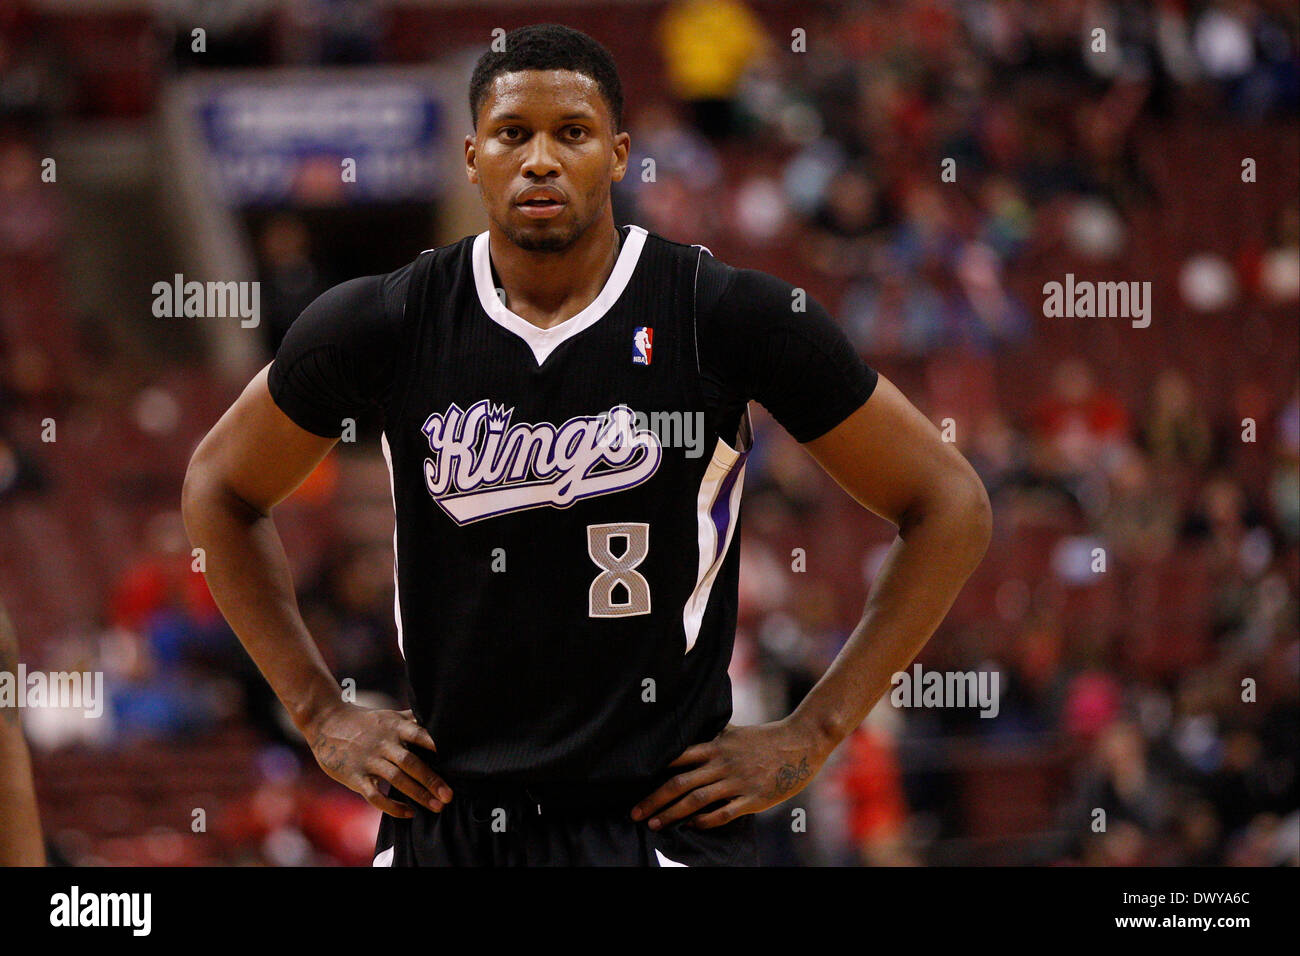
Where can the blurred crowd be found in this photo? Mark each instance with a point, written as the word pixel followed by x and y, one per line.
pixel 1162 736
pixel 921 167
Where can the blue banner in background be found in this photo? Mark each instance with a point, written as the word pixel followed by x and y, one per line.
pixel 287 143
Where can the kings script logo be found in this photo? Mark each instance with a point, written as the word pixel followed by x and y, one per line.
pixel 482 466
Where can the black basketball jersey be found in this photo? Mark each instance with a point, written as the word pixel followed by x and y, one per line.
pixel 567 509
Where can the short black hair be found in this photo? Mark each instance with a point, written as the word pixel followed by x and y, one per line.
pixel 549 46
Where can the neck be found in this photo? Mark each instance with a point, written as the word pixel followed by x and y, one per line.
pixel 546 288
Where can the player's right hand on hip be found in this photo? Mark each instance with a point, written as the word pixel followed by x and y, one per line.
pixel 360 747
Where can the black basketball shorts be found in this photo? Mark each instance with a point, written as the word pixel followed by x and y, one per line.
pixel 517 826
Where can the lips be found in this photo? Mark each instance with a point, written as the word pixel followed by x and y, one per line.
pixel 541 202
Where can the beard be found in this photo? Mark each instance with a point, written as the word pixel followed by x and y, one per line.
pixel 548 236
pixel 552 240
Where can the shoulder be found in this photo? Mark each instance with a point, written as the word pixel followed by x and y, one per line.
pixel 712 277
pixel 669 248
pixel 435 265
pixel 354 310
pixel 373 306
pixel 439 273
pixel 726 292
pixel 686 248
pixel 721 284
pixel 452 254
pixel 346 339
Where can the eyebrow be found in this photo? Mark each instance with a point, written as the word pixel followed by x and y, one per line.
pixel 498 117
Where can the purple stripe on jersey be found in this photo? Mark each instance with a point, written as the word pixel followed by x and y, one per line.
pixel 721 510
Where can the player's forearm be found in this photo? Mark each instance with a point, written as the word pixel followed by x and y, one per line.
pixel 248 574
pixel 937 549
pixel 20 824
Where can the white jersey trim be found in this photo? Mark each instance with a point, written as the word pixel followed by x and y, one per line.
pixel 397 590
pixel 728 464
pixel 544 341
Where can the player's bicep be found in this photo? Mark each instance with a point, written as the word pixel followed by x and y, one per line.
pixel 255 451
pixel 889 457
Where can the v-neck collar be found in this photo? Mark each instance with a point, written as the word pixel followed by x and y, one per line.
pixel 544 341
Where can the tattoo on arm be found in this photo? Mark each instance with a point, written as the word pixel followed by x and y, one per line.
pixel 789 775
pixel 327 753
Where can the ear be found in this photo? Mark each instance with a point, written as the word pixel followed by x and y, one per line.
pixel 622 144
pixel 471 170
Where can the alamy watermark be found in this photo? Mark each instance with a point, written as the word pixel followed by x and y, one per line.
pixel 208 300
pixel 133 911
pixel 64 689
pixel 672 429
pixel 946 689
pixel 1084 299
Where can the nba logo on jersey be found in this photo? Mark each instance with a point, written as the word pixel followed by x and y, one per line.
pixel 642 343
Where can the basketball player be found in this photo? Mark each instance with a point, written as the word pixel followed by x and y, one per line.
pixel 20 825
pixel 566 575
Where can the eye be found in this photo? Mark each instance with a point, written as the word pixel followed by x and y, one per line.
pixel 511 134
pixel 575 132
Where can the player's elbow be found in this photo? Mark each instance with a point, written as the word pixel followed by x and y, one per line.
pixel 196 495
pixel 968 500
pixel 956 500
pixel 202 491
pixel 208 493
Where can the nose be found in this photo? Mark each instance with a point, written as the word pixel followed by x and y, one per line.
pixel 540 157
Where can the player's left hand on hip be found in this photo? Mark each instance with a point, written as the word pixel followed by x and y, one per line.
pixel 746 769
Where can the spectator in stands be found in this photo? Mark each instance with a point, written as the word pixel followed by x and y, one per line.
pixel 927 232
pixel 1175 432
pixel 892 314
pixel 871 780
pixel 30 93
pixel 1225 515
pixel 290 279
pixel 181 643
pixel 672 188
pixel 1083 425
pixel 1278 273
pixel 998 453
pixel 1284 486
pixel 707 47
pixel 982 314
pixel 159 579
pixel 1007 219
pixel 1140 523
pixel 18 471
pixel 1249 54
pixel 331 32
pixel 676 148
pixel 30 222
pixel 1135 797
pixel 797 647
